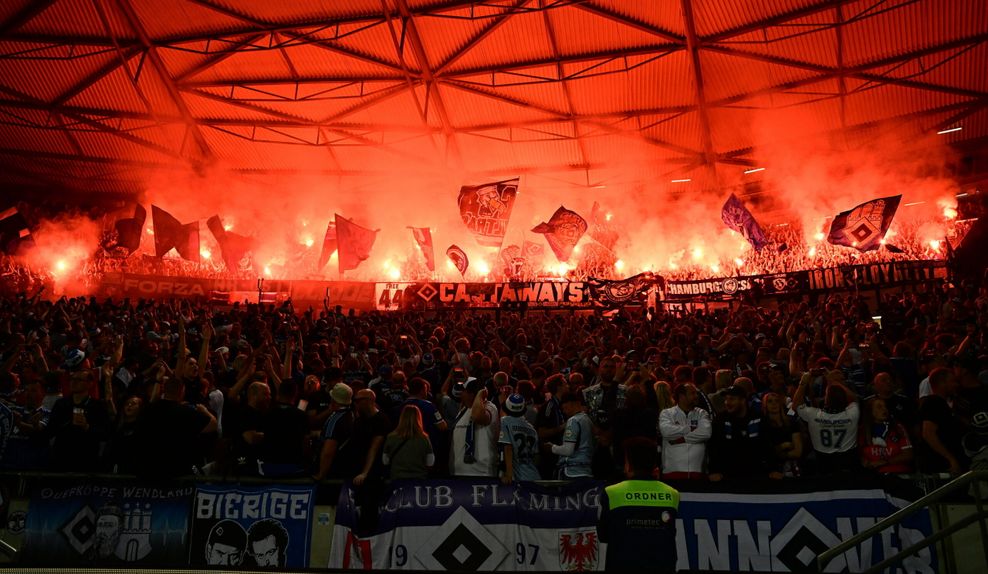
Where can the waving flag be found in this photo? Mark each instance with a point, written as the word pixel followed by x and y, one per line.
pixel 864 227
pixel 737 217
pixel 233 246
pixel 171 233
pixel 423 238
pixel 459 258
pixel 15 234
pixel 328 244
pixel 600 228
pixel 354 243
pixel 485 209
pixel 563 232
pixel 129 231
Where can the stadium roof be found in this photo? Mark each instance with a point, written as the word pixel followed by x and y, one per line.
pixel 101 95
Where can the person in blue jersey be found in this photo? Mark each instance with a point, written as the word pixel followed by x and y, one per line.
pixel 336 435
pixel 519 442
pixel 638 516
pixel 576 452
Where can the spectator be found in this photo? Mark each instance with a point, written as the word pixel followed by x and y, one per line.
pixel 432 420
pixel 335 454
pixel 408 453
pixel 635 419
pixel 169 434
pixel 519 443
pixel 125 443
pixel 884 443
pixel 900 408
pixel 737 448
pixel 27 446
pixel 685 429
pixel 551 420
pixel 942 430
pixel 576 452
pixel 285 449
pixel 370 429
pixel 473 447
pixel 833 429
pixel 246 426
pixel 782 438
pixel 78 425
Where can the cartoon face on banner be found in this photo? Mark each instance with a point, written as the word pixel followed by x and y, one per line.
pixel 485 209
pixel 251 527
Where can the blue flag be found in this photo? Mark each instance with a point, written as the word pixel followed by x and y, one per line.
pixel 737 217
pixel 864 227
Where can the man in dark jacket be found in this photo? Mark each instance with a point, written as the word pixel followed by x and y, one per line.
pixel 736 448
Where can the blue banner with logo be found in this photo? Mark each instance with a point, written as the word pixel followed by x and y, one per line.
pixel 482 525
pixel 262 526
pixel 106 525
pixel 785 532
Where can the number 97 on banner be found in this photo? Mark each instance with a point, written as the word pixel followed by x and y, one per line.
pixel 389 295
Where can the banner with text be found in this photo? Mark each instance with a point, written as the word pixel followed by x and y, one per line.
pixel 889 274
pixel 106 526
pixel 534 295
pixel 487 526
pixel 348 294
pixel 262 527
pixel 473 526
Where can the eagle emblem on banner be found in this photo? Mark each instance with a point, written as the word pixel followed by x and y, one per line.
pixel 578 551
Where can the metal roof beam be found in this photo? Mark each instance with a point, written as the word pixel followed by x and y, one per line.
pixel 24 15
pixel 774 21
pixel 216 58
pixel 571 59
pixel 431 85
pixel 125 56
pixel 580 144
pixel 152 53
pixel 692 44
pixel 631 22
pixel 563 116
pixel 859 71
pixel 476 39
pixel 438 8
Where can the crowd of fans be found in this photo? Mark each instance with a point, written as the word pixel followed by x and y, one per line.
pixel 813 387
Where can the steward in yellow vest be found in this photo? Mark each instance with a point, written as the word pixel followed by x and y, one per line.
pixel 638 516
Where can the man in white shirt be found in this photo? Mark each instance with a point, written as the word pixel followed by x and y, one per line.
pixel 833 429
pixel 685 430
pixel 474 444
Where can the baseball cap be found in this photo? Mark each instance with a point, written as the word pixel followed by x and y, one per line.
pixel 427 359
pixel 341 393
pixel 385 369
pixel 515 404
pixel 222 350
